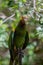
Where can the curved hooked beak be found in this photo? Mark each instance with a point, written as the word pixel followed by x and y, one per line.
pixel 26 19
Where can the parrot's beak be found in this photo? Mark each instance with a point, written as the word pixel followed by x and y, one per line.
pixel 26 19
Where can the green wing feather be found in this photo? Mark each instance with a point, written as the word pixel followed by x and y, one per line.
pixel 26 40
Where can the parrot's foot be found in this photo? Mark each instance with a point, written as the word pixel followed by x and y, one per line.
pixel 20 52
pixel 20 55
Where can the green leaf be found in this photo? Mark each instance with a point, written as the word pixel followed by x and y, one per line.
pixel 24 1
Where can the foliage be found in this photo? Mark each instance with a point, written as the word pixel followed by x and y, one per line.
pixel 34 12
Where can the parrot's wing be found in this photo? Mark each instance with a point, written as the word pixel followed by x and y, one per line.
pixel 10 46
pixel 26 40
pixel 10 39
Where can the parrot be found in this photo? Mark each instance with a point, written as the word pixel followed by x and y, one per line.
pixel 19 39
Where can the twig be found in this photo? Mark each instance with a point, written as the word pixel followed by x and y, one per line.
pixel 34 4
pixel 7 19
pixel 20 56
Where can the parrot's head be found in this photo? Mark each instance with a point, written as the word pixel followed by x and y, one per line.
pixel 24 19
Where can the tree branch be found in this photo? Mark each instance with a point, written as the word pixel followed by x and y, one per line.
pixel 7 19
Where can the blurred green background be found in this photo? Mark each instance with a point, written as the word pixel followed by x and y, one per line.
pixel 10 12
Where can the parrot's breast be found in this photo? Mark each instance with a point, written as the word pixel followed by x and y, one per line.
pixel 19 38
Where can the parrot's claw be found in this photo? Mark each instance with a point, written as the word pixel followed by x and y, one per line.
pixel 20 52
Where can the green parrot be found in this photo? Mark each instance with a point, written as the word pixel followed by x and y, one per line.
pixel 19 39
